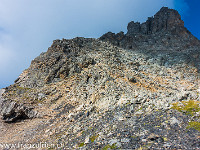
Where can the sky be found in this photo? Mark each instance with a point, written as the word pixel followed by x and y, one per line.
pixel 28 28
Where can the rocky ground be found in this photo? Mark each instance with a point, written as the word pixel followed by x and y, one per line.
pixel 115 92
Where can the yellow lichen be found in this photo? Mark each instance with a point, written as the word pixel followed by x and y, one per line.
pixel 195 125
pixel 113 146
pixel 189 107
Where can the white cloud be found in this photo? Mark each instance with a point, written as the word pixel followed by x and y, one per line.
pixel 6 51
pixel 29 27
pixel 6 55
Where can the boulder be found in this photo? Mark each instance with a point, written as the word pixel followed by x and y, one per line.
pixel 12 111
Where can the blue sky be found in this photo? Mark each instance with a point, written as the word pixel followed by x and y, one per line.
pixel 28 28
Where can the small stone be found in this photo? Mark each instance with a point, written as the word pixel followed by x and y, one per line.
pixel 87 140
pixel 63 136
pixel 140 112
pixel 1 92
pixel 87 113
pixel 173 121
pixel 144 140
pixel 116 142
pixel 47 130
pixel 125 140
pixel 41 96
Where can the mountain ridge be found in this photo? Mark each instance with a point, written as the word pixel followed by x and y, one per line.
pixel 166 24
pixel 130 91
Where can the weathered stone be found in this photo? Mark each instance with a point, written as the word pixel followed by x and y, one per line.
pixel 174 121
pixel 1 92
pixel 11 111
pixel 41 96
pixel 125 140
pixel 87 140
pixel 165 19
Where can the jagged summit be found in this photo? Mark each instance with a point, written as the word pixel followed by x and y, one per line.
pixel 164 34
pixel 164 20
pixel 164 31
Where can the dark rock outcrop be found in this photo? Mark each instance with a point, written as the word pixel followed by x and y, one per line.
pixel 162 35
pixel 165 20
pixel 12 111
pixel 164 31
pixel 63 59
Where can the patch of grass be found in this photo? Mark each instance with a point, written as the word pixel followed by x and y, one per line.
pixel 189 107
pixel 81 144
pixel 134 137
pixel 141 148
pixel 195 125
pixel 113 146
pixel 93 138
pixel 23 88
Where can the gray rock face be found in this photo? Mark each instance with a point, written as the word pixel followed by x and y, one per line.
pixel 163 35
pixel 64 58
pixel 1 92
pixel 165 19
pixel 11 111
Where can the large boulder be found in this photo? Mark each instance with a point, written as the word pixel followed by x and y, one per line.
pixel 12 111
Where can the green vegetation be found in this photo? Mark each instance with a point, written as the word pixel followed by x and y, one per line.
pixel 195 125
pixel 23 88
pixel 81 144
pixel 93 138
pixel 188 107
pixel 113 146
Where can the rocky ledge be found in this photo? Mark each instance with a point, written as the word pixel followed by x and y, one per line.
pixel 11 111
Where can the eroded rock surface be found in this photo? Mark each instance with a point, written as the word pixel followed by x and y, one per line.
pixel 11 111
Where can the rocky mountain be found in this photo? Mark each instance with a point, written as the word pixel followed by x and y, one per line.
pixel 138 90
